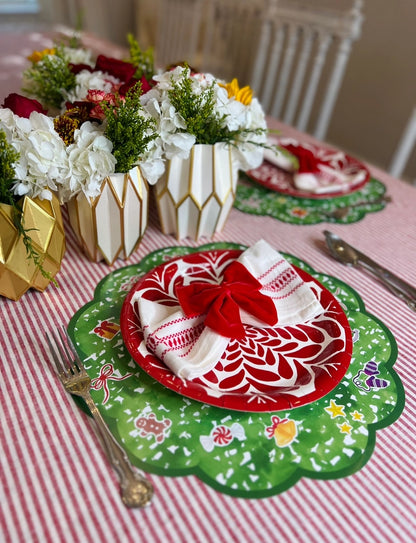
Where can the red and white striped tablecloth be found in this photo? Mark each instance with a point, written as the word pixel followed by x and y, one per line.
pixel 56 483
pixel 57 486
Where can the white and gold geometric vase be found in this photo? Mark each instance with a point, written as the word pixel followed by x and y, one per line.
pixel 195 195
pixel 112 224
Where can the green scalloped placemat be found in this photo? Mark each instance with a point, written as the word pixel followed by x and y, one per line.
pixel 257 200
pixel 248 455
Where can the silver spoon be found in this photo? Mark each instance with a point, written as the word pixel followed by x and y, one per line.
pixel 346 254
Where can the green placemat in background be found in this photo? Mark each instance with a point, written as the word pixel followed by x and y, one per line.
pixel 257 200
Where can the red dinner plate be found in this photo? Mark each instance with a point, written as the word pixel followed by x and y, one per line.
pixel 274 178
pixel 314 355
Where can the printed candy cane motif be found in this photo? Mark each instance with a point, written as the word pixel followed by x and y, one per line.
pixel 221 436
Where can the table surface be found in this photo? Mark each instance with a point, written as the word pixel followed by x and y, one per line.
pixel 56 483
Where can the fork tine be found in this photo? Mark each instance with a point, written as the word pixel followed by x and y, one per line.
pixel 71 351
pixel 67 354
pixel 56 355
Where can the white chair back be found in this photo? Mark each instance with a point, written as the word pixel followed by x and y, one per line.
pixel 172 27
pixel 301 59
pixel 230 36
pixel 404 149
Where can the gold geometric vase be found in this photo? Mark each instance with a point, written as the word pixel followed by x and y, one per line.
pixel 43 220
pixel 195 195
pixel 112 224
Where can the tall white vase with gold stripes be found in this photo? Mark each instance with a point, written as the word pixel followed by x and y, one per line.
pixel 195 195
pixel 111 225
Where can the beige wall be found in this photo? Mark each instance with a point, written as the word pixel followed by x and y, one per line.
pixel 379 89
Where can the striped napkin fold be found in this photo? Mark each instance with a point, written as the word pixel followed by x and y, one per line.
pixel 188 346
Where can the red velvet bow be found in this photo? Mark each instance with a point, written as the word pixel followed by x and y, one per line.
pixel 308 161
pixel 221 303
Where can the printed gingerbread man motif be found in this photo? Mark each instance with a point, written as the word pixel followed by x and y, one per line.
pixel 150 425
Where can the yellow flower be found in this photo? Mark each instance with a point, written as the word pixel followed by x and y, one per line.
pixel 243 95
pixel 36 56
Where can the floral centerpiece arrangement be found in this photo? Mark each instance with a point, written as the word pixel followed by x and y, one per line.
pixel 85 122
pixel 69 73
pixel 196 108
pixel 92 127
pixel 209 130
pixel 86 125
pixel 73 152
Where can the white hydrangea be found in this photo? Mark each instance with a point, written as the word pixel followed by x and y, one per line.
pixel 152 164
pixel 86 80
pixel 43 162
pixel 78 56
pixel 46 164
pixel 90 159
pixel 13 125
pixel 169 124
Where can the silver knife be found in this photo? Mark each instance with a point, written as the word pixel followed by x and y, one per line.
pixel 345 253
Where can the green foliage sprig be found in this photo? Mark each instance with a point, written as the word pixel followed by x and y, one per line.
pixel 49 77
pixel 8 157
pixel 143 61
pixel 198 112
pixel 31 252
pixel 129 130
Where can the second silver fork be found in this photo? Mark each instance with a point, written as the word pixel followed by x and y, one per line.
pixel 136 490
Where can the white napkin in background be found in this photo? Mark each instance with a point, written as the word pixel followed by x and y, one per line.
pixel 279 159
pixel 191 349
pixel 328 180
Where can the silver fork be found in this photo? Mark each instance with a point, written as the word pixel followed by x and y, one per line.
pixel 136 490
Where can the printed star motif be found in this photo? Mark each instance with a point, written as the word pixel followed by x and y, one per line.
pixel 357 416
pixel 345 428
pixel 335 410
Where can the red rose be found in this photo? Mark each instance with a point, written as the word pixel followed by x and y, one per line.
pixel 146 86
pixel 22 106
pixel 117 68
pixel 76 68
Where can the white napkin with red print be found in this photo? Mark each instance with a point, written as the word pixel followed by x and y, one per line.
pixel 313 170
pixel 191 349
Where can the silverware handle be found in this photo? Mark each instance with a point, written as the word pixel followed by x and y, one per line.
pixel 410 303
pixel 136 490
pixel 383 198
pixel 393 282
